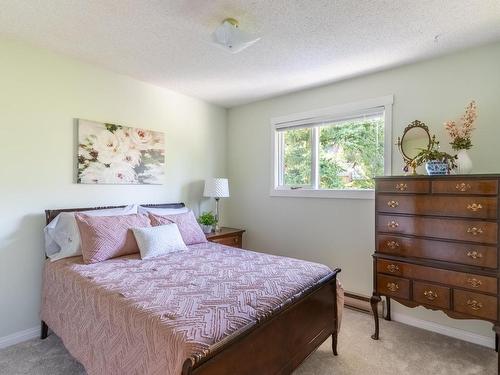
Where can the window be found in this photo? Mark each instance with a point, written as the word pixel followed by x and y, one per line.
pixel 332 152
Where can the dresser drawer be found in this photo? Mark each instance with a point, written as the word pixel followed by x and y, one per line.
pixel 465 186
pixel 464 280
pixel 393 286
pixel 475 304
pixel 453 229
pixel 475 255
pixel 431 294
pixel 435 205
pixel 403 186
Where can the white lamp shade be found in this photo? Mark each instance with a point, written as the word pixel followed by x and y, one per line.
pixel 216 188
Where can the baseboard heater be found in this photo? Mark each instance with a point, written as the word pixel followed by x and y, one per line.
pixel 361 303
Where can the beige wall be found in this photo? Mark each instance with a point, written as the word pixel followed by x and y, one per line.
pixel 340 232
pixel 40 96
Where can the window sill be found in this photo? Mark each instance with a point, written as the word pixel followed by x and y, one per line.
pixel 333 194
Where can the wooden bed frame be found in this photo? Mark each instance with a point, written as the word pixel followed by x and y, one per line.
pixel 275 346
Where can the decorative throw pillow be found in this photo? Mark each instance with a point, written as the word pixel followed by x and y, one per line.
pixel 106 237
pixel 62 237
pixel 188 226
pixel 158 241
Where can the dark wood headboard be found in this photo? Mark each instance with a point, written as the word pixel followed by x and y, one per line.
pixel 51 214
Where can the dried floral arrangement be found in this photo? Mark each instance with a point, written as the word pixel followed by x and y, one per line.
pixel 461 133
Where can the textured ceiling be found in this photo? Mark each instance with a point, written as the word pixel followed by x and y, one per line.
pixel 304 42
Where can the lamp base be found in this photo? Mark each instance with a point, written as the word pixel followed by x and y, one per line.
pixel 217 227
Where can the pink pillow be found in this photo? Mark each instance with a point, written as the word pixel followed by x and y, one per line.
pixel 106 237
pixel 188 226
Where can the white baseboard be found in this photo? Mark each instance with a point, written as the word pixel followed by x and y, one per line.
pixel 18 337
pixel 460 334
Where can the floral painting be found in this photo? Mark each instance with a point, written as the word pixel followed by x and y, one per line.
pixel 116 154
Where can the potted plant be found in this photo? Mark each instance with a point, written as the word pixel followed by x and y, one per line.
pixel 207 221
pixel 436 162
pixel 461 137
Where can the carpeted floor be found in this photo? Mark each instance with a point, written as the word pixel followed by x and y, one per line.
pixel 401 350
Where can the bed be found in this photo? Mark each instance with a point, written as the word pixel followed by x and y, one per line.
pixel 212 309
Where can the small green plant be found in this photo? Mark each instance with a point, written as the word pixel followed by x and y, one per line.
pixel 207 218
pixel 433 153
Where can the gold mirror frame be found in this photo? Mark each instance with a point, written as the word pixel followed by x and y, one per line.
pixel 410 162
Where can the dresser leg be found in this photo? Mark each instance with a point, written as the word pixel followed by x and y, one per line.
pixel 334 342
pixel 388 312
pixel 496 329
pixel 374 303
pixel 44 330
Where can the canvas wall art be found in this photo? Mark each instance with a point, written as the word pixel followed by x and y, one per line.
pixel 116 154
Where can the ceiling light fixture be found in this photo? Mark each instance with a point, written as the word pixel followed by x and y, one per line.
pixel 229 36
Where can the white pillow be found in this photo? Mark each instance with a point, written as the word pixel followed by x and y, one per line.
pixel 162 211
pixel 62 237
pixel 157 241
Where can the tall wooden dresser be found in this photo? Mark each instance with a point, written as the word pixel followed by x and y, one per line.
pixel 437 245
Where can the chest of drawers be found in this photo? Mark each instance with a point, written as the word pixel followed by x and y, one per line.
pixel 437 245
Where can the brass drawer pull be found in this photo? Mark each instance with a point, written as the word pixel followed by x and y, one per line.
pixel 474 305
pixel 474 254
pixel 393 224
pixel 392 286
pixel 392 268
pixel 463 187
pixel 393 204
pixel 474 231
pixel 392 244
pixel 401 187
pixel 430 295
pixel 474 207
pixel 475 283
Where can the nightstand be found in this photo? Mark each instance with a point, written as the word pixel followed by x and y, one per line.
pixel 227 236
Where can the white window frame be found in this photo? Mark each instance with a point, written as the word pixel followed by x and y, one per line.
pixel 330 113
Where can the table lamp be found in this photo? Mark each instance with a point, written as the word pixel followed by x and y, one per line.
pixel 216 188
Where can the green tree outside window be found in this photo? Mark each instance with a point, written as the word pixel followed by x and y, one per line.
pixel 351 153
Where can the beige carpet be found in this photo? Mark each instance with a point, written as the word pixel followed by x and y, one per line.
pixel 401 350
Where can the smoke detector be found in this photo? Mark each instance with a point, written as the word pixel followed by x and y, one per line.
pixel 230 37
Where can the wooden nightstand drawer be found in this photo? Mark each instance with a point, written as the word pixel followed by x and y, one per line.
pixel 227 236
pixel 229 241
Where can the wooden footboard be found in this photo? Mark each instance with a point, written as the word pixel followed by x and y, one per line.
pixel 280 343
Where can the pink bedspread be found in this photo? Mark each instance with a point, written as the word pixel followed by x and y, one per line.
pixel 133 316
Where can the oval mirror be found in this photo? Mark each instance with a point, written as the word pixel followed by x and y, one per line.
pixel 415 138
pixel 413 141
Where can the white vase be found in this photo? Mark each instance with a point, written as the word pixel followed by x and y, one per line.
pixel 464 163
pixel 206 228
